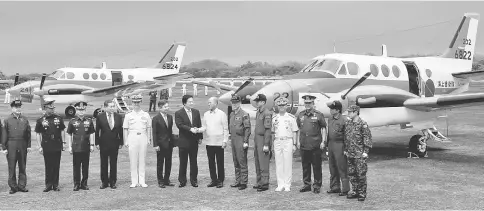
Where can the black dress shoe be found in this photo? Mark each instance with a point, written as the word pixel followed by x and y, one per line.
pixel 212 184
pixel 220 184
pixel 236 185
pixel 343 194
pixel 76 188
pixel 12 191
pixel 316 190
pixel 103 186
pixel 255 187
pixel 47 189
pixel 169 184
pixel 361 198
pixel 333 191
pixel 194 184
pixel 242 187
pixel 352 196
pixel 113 186
pixel 23 190
pixel 305 189
pixel 84 187
pixel 161 185
pixel 56 189
pixel 260 189
pixel 181 185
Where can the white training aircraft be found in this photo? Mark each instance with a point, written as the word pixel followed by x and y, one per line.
pixel 71 85
pixel 390 91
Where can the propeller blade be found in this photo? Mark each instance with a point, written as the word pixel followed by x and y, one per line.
pixel 216 86
pixel 42 81
pixel 244 85
pixel 356 84
pixel 327 96
pixel 17 76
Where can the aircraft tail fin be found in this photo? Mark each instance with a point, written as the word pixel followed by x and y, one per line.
pixel 173 57
pixel 462 45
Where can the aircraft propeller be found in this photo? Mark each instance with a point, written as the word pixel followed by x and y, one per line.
pixel 343 97
pixel 247 82
pixel 356 84
pixel 17 76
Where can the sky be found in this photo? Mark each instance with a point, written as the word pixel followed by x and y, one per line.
pixel 45 36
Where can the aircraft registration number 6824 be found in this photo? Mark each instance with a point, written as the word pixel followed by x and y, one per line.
pixel 169 66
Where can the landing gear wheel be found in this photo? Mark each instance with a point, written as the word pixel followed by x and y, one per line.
pixel 417 146
pixel 70 112
pixel 96 112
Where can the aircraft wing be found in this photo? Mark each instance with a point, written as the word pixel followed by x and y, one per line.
pixel 108 90
pixel 445 102
pixel 473 75
pixel 213 85
pixel 161 82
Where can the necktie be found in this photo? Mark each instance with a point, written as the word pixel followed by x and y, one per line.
pixel 190 115
pixel 110 121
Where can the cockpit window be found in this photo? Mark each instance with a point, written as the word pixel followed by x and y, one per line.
pixel 57 74
pixel 342 70
pixel 309 66
pixel 331 65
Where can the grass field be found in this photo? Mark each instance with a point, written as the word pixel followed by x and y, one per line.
pixel 450 178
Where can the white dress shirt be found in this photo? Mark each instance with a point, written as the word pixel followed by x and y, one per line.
pixel 215 126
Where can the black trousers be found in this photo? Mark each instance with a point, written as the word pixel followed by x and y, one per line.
pixel 163 158
pixel 184 154
pixel 52 166
pixel 109 157
pixel 152 104
pixel 14 157
pixel 80 159
pixel 215 154
pixel 312 158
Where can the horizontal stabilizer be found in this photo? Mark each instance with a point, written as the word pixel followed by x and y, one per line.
pixel 445 102
pixel 212 85
pixel 472 75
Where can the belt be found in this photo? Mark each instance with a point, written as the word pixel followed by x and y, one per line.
pixel 137 132
pixel 283 138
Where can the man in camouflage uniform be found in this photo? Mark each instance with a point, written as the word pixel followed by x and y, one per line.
pixel 262 141
pixel 81 144
pixel 239 130
pixel 357 145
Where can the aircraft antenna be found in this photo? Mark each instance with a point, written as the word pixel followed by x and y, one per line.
pixel 334 46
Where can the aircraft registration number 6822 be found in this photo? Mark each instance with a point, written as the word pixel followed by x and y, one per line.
pixel 463 54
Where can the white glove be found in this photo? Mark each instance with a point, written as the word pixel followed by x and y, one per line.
pixel 246 145
pixel 265 149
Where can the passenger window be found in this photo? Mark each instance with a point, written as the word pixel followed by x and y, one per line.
pixel 374 70
pixel 85 76
pixel 396 71
pixel 103 76
pixel 94 76
pixel 385 71
pixel 70 75
pixel 353 68
pixel 342 70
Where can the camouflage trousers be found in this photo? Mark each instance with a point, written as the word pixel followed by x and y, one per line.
pixel 357 169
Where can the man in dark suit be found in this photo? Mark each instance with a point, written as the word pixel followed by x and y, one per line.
pixel 189 123
pixel 163 141
pixel 109 139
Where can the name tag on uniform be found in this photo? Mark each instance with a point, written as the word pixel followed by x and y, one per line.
pixel 314 117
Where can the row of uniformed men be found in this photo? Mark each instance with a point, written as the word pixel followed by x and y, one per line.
pixel 348 142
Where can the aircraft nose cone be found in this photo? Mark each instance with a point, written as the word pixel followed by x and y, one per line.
pixel 272 91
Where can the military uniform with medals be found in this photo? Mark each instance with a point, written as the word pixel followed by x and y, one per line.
pixel 50 128
pixel 16 141
pixel 311 122
pixel 80 129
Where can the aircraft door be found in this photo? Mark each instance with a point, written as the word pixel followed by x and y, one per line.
pixel 117 78
pixel 414 85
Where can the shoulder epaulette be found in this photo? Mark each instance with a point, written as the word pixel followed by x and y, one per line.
pixel 291 115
